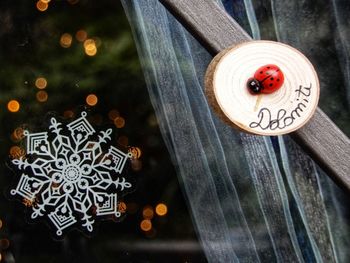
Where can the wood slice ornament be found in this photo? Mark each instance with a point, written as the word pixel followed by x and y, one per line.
pixel 276 111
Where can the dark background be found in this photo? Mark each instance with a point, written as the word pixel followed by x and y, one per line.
pixel 30 48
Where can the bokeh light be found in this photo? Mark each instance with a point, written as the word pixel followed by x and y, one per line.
pixel 122 207
pixel 73 2
pixel 66 40
pixel 42 5
pixel 90 47
pixel 147 212
pixel 135 152
pixel 17 152
pixel 113 114
pixel 91 100
pixel 68 114
pixel 146 225
pixel 136 165
pixel 13 106
pixel 123 140
pixel 119 122
pixel 42 96
pixel 4 244
pixel 161 209
pixel 41 83
pixel 1 223
pixel 81 35
pixel 18 134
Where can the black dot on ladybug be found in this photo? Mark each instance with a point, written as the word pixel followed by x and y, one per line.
pixel 278 79
pixel 261 72
pixel 270 85
pixel 268 67
pixel 271 78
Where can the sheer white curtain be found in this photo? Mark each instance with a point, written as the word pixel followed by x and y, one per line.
pixel 252 199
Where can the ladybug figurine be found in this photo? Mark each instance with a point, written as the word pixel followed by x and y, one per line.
pixel 267 79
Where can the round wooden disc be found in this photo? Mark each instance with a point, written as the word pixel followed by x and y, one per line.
pixel 277 113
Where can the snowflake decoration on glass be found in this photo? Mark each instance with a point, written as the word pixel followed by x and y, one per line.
pixel 70 178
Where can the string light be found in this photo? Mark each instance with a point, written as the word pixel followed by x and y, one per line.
pixel 41 83
pixel 161 209
pixel 42 5
pixel 66 40
pixel 13 106
pixel 42 96
pixel 91 100
pixel 146 225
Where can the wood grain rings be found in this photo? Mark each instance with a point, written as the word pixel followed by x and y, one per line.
pixel 281 112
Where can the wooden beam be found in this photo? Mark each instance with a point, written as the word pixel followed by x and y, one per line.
pixel 216 30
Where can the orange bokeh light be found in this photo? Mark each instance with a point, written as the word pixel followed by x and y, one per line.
pixel 119 122
pixel 81 35
pixel 91 100
pixel 113 114
pixel 146 225
pixel 42 5
pixel 42 96
pixel 90 47
pixel 66 40
pixel 41 83
pixel 161 209
pixel 13 106
pixel 0 223
pixel 147 212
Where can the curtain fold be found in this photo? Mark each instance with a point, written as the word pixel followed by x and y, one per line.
pixel 252 198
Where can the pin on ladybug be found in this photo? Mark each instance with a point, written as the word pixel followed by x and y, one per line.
pixel 267 79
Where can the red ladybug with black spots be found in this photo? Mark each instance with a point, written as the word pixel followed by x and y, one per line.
pixel 267 79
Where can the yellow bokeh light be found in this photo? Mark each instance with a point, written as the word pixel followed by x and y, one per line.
pixel 66 40
pixel 42 96
pixel 0 257
pixel 119 122
pixel 81 35
pixel 0 223
pixel 147 212
pixel 91 100
pixel 90 47
pixel 46 1
pixel 146 225
pixel 13 106
pixel 41 83
pixel 91 51
pixel 42 5
pixel 161 209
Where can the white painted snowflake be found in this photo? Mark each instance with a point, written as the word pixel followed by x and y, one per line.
pixel 70 179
